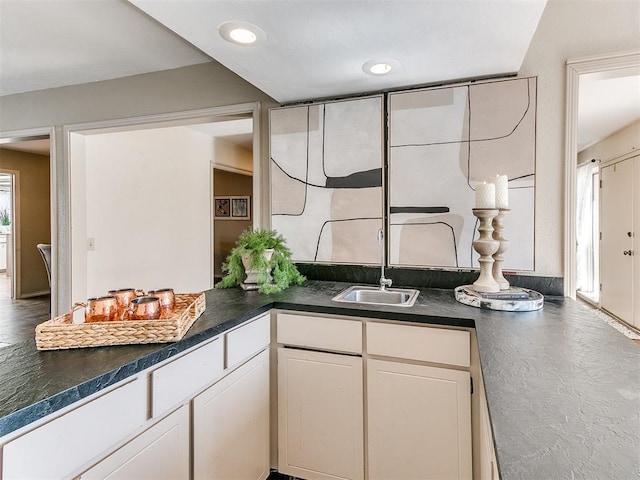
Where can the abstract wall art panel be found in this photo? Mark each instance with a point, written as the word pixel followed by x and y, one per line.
pixel 442 142
pixel 326 180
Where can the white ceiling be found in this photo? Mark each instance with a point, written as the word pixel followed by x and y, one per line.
pixel 41 146
pixel 239 132
pixel 53 43
pixel 607 103
pixel 316 48
pixel 313 48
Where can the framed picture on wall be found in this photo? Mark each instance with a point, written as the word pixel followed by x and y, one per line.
pixel 232 207
pixel 241 208
pixel 222 208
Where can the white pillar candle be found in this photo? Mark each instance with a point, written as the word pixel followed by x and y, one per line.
pixel 485 195
pixel 502 191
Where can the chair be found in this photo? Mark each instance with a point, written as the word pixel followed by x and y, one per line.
pixel 45 251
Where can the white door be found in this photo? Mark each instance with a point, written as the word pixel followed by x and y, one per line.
pixel 419 422
pixel 231 425
pixel 616 244
pixel 320 415
pixel 636 242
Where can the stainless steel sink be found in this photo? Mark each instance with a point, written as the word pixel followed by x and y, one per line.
pixel 399 297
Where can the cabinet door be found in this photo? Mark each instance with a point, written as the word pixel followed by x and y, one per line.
pixel 488 462
pixel 320 415
pixel 616 226
pixel 419 422
pixel 161 452
pixel 231 425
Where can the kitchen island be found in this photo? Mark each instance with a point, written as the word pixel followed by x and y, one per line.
pixel 563 387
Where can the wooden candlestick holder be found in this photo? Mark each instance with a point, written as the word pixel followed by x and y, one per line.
pixel 498 258
pixel 486 246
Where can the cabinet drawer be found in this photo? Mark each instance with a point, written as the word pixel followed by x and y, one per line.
pixel 320 332
pixel 185 376
pixel 61 446
pixel 427 344
pixel 248 340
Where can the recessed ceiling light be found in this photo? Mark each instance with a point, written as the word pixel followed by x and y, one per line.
pixel 380 67
pixel 241 33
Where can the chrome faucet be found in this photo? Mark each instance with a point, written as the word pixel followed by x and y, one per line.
pixel 384 282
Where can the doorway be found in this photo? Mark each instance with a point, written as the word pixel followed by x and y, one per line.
pixel 583 75
pixel 603 127
pixel 232 185
pixel 233 194
pixel 6 235
pixel 142 199
pixel 26 163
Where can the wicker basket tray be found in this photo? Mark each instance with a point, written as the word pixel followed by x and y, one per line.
pixel 61 333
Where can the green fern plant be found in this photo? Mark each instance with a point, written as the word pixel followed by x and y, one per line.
pixel 4 217
pixel 253 243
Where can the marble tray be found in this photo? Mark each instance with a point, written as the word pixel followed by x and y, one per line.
pixel 515 299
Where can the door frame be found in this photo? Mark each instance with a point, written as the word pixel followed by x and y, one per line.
pixel 16 264
pixel 574 69
pixel 182 118
pixel 13 136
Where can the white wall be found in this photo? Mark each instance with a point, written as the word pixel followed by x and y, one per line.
pixel 189 88
pixel 227 154
pixel 78 223
pixel 568 29
pixel 618 143
pixel 148 207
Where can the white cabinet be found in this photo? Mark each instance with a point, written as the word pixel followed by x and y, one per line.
pixel 180 379
pixel 160 453
pixel 231 424
pixel 320 333
pixel 320 415
pixel 230 437
pixel 418 416
pixel 246 341
pixel 488 461
pixel 413 418
pixel 73 440
pixel 419 422
pixel 417 342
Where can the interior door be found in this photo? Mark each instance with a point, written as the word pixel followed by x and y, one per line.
pixel 636 241
pixel 616 244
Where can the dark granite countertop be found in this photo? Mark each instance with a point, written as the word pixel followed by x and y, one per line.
pixel 563 387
